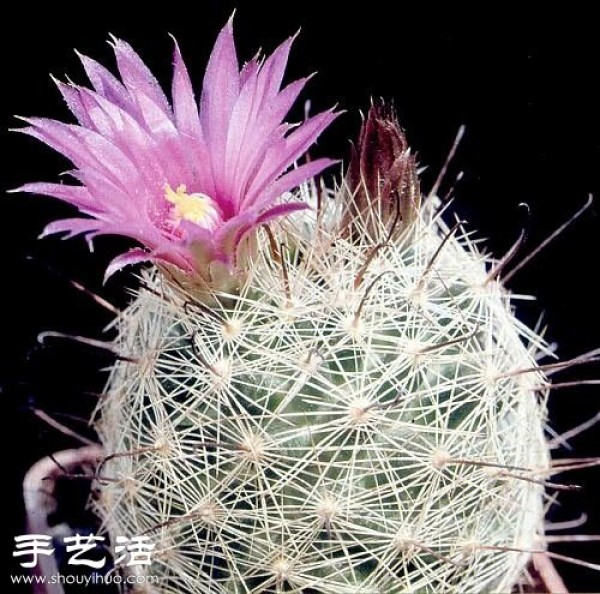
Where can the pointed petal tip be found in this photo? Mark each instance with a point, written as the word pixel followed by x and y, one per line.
pixel 83 58
pixel 331 162
pixel 30 188
pixel 227 30
pixel 113 40
pixel 174 40
pixel 110 271
pixel 133 256
pixel 45 233
pixel 291 39
pixel 54 228
pixel 63 84
pixel 177 56
pixel 27 130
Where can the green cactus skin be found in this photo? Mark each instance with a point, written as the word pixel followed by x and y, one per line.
pixel 355 419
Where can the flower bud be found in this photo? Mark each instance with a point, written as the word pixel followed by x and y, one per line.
pixel 382 179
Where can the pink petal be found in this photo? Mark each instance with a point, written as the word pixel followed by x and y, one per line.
pixel 199 171
pixel 157 121
pixel 219 94
pixel 259 90
pixel 249 69
pixel 122 129
pixel 106 84
pixel 285 152
pixel 78 196
pixel 258 134
pixel 136 76
pixel 134 256
pixel 280 210
pixel 83 147
pixel 114 200
pixel 260 87
pixel 271 74
pixel 293 179
pixel 73 100
pixel 284 100
pixel 72 227
pixel 100 120
pixel 185 108
pixel 226 237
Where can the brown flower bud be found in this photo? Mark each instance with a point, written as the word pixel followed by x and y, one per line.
pixel 382 178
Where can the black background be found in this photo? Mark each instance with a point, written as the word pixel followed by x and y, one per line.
pixel 525 86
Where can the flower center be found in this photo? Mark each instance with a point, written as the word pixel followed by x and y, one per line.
pixel 197 208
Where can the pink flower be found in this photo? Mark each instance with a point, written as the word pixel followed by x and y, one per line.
pixel 187 182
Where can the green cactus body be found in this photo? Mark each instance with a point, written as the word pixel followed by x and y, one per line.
pixel 354 419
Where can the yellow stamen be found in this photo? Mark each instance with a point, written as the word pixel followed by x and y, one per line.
pixel 197 208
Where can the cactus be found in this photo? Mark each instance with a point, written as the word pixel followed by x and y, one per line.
pixel 310 435
pixel 335 401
